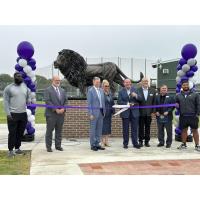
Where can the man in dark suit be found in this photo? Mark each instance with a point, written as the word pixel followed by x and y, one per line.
pixel 164 116
pixel 54 96
pixel 148 98
pixel 96 111
pixel 129 95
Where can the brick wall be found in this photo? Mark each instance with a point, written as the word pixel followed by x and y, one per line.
pixel 76 123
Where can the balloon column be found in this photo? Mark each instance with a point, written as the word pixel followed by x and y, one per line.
pixel 185 71
pixel 26 65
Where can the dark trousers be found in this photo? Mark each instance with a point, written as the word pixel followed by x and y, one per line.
pixel 144 128
pixel 161 133
pixel 16 128
pixel 55 121
pixel 134 130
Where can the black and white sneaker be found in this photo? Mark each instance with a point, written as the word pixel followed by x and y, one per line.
pixel 182 146
pixel 11 154
pixel 19 152
pixel 197 148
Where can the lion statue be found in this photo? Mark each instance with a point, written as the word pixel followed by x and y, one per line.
pixel 79 74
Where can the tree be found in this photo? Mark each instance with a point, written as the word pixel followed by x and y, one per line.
pixel 5 79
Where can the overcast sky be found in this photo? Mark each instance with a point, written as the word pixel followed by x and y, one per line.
pixel 151 42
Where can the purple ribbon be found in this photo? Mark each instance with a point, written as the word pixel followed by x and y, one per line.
pixel 87 107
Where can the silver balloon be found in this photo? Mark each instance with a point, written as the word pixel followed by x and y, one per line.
pixel 178 78
pixel 191 84
pixel 186 67
pixel 191 62
pixel 22 62
pixel 180 73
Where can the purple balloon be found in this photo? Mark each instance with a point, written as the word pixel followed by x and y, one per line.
pixel 32 62
pixel 33 112
pixel 179 67
pixel 31 85
pixel 23 74
pixel 184 78
pixel 33 89
pixel 18 59
pixel 27 80
pixel 190 73
pixel 178 90
pixel 31 131
pixel 182 61
pixel 177 112
pixel 28 125
pixel 189 51
pixel 25 50
pixel 18 68
pixel 178 131
pixel 179 85
pixel 33 68
pixel 194 68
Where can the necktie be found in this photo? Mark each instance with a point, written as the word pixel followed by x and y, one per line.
pixel 58 93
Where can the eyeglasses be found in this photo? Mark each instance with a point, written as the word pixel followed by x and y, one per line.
pixel 106 86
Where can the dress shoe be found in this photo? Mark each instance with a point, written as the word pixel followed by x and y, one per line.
pixel 94 148
pixel 160 145
pixel 59 148
pixel 147 145
pixel 100 148
pixel 137 146
pixel 168 145
pixel 49 150
pixel 125 146
pixel 141 144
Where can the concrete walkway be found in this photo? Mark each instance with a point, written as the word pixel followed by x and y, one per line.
pixel 78 152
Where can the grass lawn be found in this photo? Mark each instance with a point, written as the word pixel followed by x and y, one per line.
pixel 39 118
pixel 19 165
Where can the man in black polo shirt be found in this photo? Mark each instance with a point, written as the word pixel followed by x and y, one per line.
pixel 189 105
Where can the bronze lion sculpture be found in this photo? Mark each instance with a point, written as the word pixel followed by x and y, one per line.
pixel 80 74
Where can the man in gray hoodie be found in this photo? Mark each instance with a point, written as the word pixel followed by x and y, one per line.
pixel 189 105
pixel 16 96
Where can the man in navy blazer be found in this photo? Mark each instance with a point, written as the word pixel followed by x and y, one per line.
pixel 129 95
pixel 96 110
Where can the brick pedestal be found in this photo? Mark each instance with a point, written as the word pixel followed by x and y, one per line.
pixel 76 123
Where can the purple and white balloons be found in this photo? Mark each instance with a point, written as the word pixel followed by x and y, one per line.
pixel 26 65
pixel 185 71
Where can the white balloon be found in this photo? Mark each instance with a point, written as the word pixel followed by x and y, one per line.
pixel 176 118
pixel 22 62
pixel 185 67
pixel 191 62
pixel 33 100
pixel 191 84
pixel 178 78
pixel 33 124
pixel 33 95
pixel 27 69
pixel 33 79
pixel 31 74
pixel 31 118
pixel 29 113
pixel 180 73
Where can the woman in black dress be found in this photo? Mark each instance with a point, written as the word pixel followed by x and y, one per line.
pixel 109 102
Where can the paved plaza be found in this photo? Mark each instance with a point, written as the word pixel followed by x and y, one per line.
pixel 78 159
